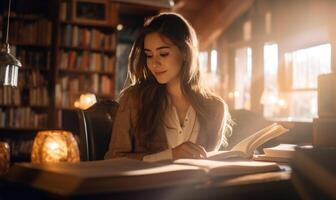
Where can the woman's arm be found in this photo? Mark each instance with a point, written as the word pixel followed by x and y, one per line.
pixel 121 143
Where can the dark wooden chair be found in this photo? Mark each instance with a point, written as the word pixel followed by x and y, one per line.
pixel 95 129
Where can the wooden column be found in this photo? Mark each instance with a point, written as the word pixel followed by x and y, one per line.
pixel 257 85
pixel 223 67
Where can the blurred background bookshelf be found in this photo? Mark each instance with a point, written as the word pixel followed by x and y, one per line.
pixel 65 52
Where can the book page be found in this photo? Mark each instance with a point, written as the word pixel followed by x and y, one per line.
pixel 244 144
pixel 246 147
pixel 230 168
pixel 272 133
pixel 222 155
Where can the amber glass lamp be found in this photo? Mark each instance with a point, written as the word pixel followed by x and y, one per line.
pixel 4 157
pixel 54 146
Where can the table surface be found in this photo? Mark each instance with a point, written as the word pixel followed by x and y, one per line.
pixel 274 185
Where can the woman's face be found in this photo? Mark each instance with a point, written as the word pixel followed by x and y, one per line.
pixel 164 59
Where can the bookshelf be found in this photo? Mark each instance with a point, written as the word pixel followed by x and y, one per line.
pixel 64 52
pixel 63 56
pixel 86 56
pixel 27 106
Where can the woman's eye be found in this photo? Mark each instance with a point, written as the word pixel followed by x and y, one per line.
pixel 164 54
pixel 149 56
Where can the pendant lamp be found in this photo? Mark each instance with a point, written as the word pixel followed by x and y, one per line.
pixel 9 65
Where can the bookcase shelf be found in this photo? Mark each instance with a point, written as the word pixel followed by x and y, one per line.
pixel 78 71
pixel 29 129
pixel 25 17
pixel 32 46
pixel 35 107
pixel 93 25
pixel 97 50
pixel 25 68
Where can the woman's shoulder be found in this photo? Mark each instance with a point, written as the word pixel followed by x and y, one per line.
pixel 216 103
pixel 128 97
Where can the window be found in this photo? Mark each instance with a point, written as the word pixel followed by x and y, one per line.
pixel 296 96
pixel 270 95
pixel 203 61
pixel 209 70
pixel 213 61
pixel 243 77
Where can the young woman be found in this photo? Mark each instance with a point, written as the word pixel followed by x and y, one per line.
pixel 167 113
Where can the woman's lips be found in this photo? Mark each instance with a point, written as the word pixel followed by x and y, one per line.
pixel 159 73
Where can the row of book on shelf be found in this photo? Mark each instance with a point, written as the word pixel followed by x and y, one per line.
pixel 32 91
pixel 39 59
pixel 33 78
pixel 22 117
pixel 74 36
pixel 69 88
pixel 29 32
pixel 86 61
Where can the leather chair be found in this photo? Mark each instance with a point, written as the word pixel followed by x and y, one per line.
pixel 95 129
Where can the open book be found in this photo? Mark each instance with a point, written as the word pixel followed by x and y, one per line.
pixel 246 147
pixel 117 175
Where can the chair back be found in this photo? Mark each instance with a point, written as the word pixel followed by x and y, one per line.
pixel 95 128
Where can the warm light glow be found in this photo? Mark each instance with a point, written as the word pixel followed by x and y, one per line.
pixel 213 61
pixel 243 76
pixel 120 27
pixel 282 103
pixel 269 96
pixel 85 101
pixel 230 95
pixel 54 146
pixel 203 61
pixel 299 101
pixel 307 64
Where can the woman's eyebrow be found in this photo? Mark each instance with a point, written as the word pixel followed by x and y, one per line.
pixel 163 47
pixel 159 48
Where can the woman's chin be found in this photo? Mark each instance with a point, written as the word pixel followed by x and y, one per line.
pixel 161 81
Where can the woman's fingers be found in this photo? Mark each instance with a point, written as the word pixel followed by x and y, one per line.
pixel 198 148
pixel 189 150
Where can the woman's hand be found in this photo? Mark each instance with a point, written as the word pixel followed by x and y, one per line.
pixel 189 150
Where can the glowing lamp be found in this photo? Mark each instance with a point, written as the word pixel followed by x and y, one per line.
pixel 54 146
pixel 85 101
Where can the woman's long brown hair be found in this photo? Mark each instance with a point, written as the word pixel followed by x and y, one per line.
pixel 151 96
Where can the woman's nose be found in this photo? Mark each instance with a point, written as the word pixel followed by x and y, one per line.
pixel 157 61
